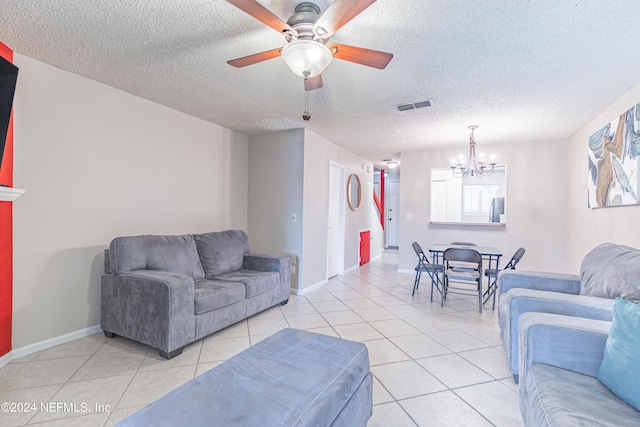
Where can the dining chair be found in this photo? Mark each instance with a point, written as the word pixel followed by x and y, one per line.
pixel 463 273
pixel 459 244
pixel 492 276
pixel 433 270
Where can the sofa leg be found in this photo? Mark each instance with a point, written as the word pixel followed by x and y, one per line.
pixel 284 302
pixel 171 354
pixel 109 334
pixel 515 378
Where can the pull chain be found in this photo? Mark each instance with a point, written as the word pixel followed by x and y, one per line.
pixel 306 115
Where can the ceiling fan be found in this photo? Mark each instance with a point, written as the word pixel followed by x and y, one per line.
pixel 307 52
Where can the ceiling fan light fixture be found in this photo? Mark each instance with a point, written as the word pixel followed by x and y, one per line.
pixel 306 58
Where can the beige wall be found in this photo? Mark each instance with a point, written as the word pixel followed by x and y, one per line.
pixel 99 163
pixel 590 227
pixel 536 207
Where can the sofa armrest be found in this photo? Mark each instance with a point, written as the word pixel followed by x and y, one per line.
pixel 567 342
pixel 266 262
pixel 518 301
pixel 554 282
pixel 152 307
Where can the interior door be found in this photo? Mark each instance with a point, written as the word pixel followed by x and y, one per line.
pixel 392 192
pixel 335 236
pixel 365 247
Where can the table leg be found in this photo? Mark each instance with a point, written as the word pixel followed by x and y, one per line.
pixel 495 285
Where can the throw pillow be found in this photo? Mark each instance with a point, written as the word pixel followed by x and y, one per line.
pixel 620 368
pixel 222 252
pixel 610 271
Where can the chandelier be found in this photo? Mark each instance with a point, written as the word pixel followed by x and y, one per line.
pixel 474 167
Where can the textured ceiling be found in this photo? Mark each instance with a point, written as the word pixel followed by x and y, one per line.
pixel 522 70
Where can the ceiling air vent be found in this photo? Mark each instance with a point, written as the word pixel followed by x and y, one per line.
pixel 415 105
pixel 405 107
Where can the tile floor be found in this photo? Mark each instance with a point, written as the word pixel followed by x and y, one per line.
pixel 432 366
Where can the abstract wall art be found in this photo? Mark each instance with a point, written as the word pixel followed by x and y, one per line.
pixel 614 157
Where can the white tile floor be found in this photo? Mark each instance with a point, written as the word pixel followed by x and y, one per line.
pixel 432 366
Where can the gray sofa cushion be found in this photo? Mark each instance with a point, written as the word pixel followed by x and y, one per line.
pixel 256 282
pixel 559 397
pixel 222 251
pixel 611 271
pixel 213 294
pixel 175 254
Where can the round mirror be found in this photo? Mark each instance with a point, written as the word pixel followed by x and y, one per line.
pixel 354 192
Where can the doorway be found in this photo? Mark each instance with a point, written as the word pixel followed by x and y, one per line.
pixel 392 220
pixel 335 223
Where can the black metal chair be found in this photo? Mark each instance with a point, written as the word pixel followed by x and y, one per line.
pixel 463 273
pixel 492 275
pixel 433 270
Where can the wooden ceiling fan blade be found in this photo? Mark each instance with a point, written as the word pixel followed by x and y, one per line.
pixel 255 58
pixel 262 14
pixel 313 83
pixel 360 55
pixel 338 14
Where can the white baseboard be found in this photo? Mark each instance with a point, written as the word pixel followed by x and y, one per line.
pixel 6 359
pixel 350 269
pixel 376 257
pixel 402 270
pixel 52 342
pixel 310 288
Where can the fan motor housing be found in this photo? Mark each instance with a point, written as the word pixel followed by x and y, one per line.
pixel 306 14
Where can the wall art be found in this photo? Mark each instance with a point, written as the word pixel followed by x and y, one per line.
pixel 614 157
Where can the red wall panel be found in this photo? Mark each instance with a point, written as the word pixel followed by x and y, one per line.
pixel 365 247
pixel 6 235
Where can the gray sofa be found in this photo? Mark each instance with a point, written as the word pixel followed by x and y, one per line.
pixel 607 271
pixel 168 291
pixel 559 363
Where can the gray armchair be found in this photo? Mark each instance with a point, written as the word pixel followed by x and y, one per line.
pixel 607 271
pixel 559 363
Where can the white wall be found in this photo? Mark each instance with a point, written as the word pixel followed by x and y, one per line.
pixel 536 204
pixel 238 190
pixel 318 152
pixel 289 174
pixel 590 227
pixel 276 162
pixel 99 163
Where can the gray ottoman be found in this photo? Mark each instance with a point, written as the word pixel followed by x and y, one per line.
pixel 292 378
